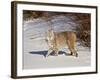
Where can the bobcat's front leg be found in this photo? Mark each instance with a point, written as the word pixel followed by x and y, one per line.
pixel 56 51
pixel 49 52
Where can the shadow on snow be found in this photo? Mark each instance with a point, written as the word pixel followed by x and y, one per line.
pixel 45 52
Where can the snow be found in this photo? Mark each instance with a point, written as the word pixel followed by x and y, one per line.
pixel 35 47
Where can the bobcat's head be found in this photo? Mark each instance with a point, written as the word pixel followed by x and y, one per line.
pixel 50 38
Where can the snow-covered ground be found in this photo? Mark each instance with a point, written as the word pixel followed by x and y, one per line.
pixel 35 47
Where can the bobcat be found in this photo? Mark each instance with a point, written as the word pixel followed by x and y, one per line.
pixel 57 40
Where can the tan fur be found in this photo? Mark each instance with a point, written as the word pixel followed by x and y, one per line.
pixel 58 40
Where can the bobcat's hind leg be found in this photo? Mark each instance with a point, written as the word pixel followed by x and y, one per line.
pixel 74 53
pixel 71 46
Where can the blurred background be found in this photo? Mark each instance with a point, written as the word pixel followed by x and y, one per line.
pixel 59 21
